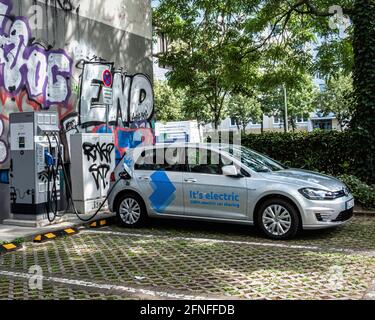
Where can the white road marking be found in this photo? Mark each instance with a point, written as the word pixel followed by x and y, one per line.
pixel 218 241
pixel 93 285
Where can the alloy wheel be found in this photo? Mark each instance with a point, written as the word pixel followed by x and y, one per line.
pixel 277 220
pixel 130 211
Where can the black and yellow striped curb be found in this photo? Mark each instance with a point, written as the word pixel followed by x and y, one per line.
pixel 9 247
pixel 54 235
pixel 101 223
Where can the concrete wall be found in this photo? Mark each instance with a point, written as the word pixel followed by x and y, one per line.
pixel 118 31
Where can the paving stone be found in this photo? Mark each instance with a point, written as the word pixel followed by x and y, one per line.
pixel 233 270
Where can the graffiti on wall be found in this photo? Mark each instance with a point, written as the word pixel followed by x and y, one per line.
pixel 130 113
pixel 100 155
pixel 65 5
pixel 25 65
pixel 3 146
pixel 132 97
pixel 34 77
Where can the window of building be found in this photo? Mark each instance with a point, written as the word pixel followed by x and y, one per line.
pixel 278 119
pixel 302 119
pixel 322 124
pixel 255 123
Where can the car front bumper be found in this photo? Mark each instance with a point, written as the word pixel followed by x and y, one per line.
pixel 327 214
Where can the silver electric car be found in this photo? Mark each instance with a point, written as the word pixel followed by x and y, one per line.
pixel 225 183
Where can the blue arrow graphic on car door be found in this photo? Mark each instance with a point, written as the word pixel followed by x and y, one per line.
pixel 164 191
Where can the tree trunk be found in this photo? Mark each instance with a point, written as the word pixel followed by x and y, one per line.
pixel 364 80
pixel 364 66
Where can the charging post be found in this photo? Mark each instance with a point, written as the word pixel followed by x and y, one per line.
pixel 35 176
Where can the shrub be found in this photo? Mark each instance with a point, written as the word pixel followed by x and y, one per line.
pixel 363 193
pixel 331 152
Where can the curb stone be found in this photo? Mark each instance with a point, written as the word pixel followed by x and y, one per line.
pixel 364 213
pixel 9 247
pixel 53 235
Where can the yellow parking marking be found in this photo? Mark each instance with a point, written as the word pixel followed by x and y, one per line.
pixel 9 246
pixel 38 238
pixel 69 231
pixel 50 236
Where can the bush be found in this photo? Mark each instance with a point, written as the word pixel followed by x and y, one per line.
pixel 363 193
pixel 331 152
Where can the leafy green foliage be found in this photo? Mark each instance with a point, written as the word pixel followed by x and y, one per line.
pixel 338 98
pixel 225 47
pixel 330 152
pixel 204 34
pixel 244 109
pixel 168 102
pixel 363 193
pixel 364 78
pixel 194 107
pixel 301 98
pixel 364 69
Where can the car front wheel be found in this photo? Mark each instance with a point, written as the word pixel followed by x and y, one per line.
pixel 131 211
pixel 278 219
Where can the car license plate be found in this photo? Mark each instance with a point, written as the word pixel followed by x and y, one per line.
pixel 350 204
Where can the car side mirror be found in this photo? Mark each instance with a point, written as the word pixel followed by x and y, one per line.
pixel 231 171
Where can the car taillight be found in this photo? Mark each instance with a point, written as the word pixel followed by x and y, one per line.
pixel 113 177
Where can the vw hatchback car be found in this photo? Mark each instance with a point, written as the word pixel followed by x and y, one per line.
pixel 225 183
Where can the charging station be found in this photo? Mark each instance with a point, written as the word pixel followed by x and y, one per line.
pixel 35 176
pixel 92 162
pixel 41 189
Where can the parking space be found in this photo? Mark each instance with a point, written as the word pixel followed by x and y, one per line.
pixel 185 260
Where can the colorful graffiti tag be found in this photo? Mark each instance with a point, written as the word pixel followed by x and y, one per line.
pixel 44 74
pixel 34 77
pixel 129 115
pixel 132 96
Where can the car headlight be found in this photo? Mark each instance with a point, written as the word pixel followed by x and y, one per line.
pixel 318 194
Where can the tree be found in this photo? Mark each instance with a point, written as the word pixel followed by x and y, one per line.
pixel 194 108
pixel 203 53
pixel 301 101
pixel 219 37
pixel 168 102
pixel 301 98
pixel 338 98
pixel 244 110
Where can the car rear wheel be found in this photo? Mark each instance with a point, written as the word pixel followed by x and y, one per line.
pixel 131 211
pixel 278 219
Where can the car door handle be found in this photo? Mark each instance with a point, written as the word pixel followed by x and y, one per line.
pixel 191 180
pixel 144 178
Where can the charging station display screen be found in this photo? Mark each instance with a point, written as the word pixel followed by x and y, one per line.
pixel 21 142
pixel 22 136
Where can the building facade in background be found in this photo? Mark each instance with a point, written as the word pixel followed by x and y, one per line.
pixel 49 53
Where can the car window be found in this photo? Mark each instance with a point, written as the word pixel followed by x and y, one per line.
pixel 174 159
pixel 160 159
pixel 204 161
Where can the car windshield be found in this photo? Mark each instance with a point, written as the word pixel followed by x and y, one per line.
pixel 254 160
